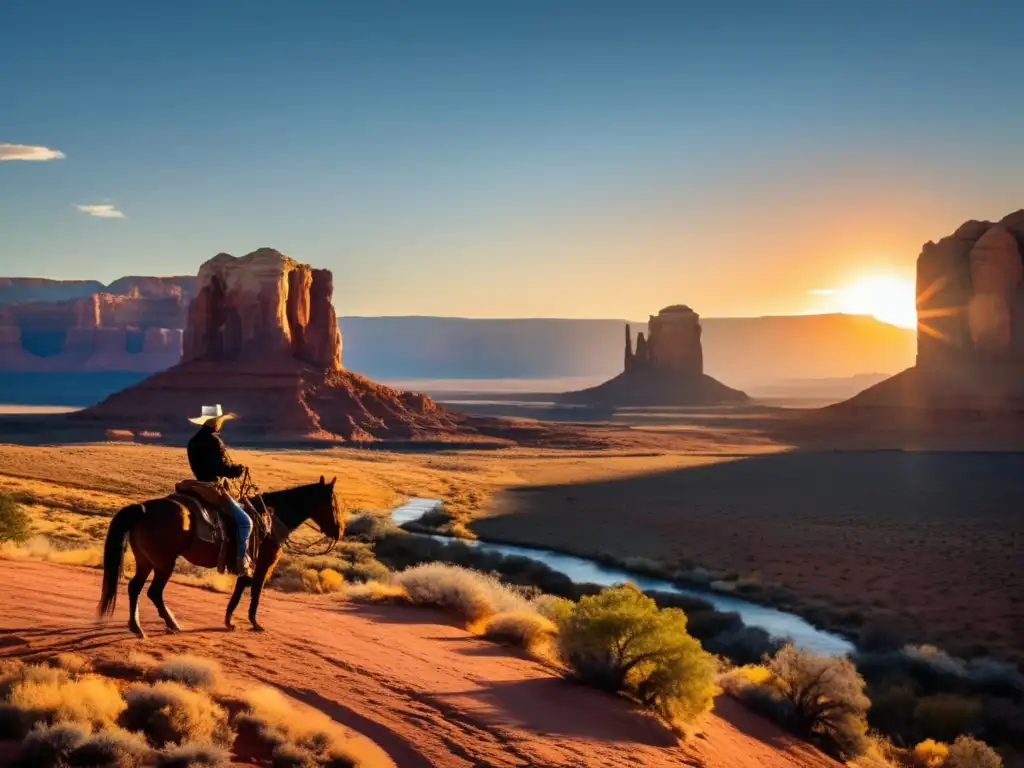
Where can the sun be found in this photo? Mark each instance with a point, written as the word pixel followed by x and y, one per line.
pixel 888 298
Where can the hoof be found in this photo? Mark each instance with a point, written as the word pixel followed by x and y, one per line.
pixel 230 626
pixel 173 630
pixel 257 628
pixel 139 633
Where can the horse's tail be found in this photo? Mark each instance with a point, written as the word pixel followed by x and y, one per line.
pixel 113 554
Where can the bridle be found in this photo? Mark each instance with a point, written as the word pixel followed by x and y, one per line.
pixel 249 490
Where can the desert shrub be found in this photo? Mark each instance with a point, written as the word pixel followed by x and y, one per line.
pixel 74 663
pixel 930 754
pixel 48 695
pixel 527 630
pixel 193 671
pixel 170 713
pixel 620 641
pixel 15 523
pixel 967 752
pixel 946 716
pixel 737 680
pixel 289 734
pixel 112 748
pixel 135 666
pixel 289 755
pixel 470 595
pixel 689 604
pixel 48 746
pixel 330 580
pixel 826 696
pixel 892 710
pixel 375 591
pixel 552 607
pixel 193 755
pixel 706 624
pixel 369 570
pixel 367 527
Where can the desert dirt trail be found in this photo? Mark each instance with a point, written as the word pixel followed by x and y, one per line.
pixel 428 693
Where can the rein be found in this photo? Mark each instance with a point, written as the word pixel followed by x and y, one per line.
pixel 251 491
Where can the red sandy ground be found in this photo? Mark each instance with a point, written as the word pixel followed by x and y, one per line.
pixel 428 693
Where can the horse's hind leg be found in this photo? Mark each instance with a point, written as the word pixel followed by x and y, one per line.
pixel 142 570
pixel 156 594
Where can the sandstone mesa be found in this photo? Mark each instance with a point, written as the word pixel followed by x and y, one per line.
pixel 970 339
pixel 135 324
pixel 666 368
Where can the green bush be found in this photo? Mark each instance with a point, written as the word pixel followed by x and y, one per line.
pixel 15 524
pixel 620 641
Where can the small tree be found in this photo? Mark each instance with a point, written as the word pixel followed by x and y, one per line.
pixel 15 524
pixel 826 697
pixel 967 752
pixel 620 641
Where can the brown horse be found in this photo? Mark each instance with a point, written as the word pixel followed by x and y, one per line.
pixel 161 530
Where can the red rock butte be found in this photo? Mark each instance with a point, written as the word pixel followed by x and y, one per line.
pixel 666 368
pixel 262 339
pixel 970 339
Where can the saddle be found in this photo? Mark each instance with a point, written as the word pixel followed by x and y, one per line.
pixel 204 502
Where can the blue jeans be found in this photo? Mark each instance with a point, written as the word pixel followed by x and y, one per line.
pixel 244 523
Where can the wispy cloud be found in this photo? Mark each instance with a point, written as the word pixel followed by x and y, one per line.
pixel 825 291
pixel 102 210
pixel 28 152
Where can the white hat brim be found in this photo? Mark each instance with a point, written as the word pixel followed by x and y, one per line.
pixel 201 420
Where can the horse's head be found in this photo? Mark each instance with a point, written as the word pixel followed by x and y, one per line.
pixel 324 510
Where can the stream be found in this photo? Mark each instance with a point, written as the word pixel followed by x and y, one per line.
pixel 778 624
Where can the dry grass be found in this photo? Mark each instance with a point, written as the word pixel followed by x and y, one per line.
pixel 376 592
pixel 193 671
pixel 527 630
pixel 294 737
pixel 135 666
pixel 170 713
pixel 194 755
pixel 49 695
pixel 470 595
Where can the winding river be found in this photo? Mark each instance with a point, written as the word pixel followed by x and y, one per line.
pixel 776 623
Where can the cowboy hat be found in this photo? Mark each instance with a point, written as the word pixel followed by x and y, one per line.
pixel 212 412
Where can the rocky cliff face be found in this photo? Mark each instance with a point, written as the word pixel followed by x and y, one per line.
pixel 970 296
pixel 262 339
pixel 263 307
pixel 100 332
pixel 970 313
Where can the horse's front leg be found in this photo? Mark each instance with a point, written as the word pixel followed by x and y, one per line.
pixel 241 583
pixel 270 553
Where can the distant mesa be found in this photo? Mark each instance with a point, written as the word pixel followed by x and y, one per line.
pixel 665 368
pixel 262 339
pixel 135 324
pixel 970 339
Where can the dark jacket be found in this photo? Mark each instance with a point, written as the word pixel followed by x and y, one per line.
pixel 208 457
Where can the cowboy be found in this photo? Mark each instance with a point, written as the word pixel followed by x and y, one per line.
pixel 208 457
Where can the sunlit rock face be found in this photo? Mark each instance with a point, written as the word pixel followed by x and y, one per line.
pixel 262 339
pixel 970 340
pixel 970 297
pixel 264 306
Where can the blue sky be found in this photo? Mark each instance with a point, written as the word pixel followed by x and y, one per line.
pixel 510 159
